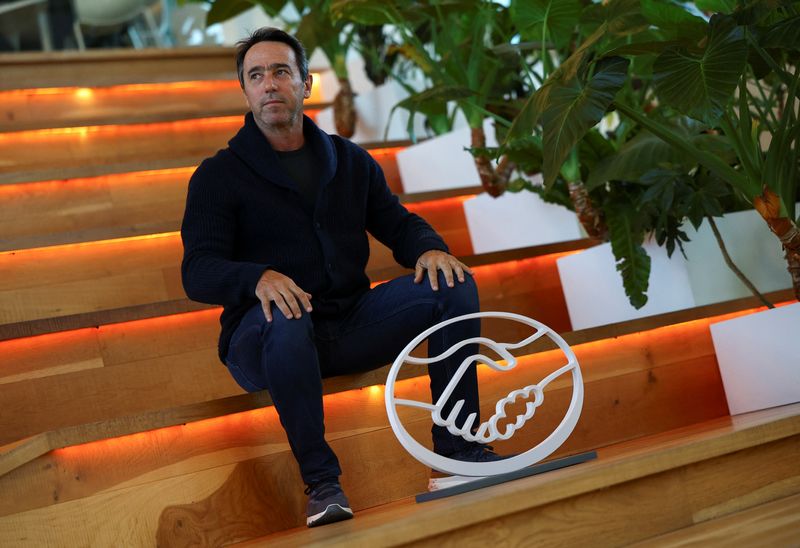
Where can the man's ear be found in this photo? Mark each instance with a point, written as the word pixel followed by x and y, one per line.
pixel 307 86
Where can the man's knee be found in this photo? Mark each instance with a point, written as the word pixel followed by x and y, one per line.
pixel 288 334
pixel 460 299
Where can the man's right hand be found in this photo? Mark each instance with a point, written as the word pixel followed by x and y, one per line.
pixel 287 296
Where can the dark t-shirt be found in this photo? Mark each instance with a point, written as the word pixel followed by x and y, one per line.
pixel 300 164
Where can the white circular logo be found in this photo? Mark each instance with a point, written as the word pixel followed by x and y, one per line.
pixel 487 431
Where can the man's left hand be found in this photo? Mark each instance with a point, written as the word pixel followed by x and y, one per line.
pixel 435 260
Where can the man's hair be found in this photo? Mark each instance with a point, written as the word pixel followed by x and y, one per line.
pixel 270 34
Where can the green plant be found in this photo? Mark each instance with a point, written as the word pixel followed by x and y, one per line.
pixel 735 75
pixel 460 46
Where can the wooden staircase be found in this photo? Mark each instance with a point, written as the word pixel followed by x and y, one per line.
pixel 118 425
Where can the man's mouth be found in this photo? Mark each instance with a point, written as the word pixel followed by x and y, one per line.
pixel 271 102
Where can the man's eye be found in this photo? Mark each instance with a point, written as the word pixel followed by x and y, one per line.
pixel 281 72
pixel 255 76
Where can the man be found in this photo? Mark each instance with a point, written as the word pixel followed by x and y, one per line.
pixel 275 230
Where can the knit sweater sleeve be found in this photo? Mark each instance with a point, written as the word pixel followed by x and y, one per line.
pixel 408 235
pixel 209 270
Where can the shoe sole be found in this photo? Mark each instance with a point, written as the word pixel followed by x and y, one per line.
pixel 331 514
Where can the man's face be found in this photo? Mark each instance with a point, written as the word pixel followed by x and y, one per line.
pixel 273 86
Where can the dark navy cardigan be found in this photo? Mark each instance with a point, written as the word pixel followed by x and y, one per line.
pixel 244 215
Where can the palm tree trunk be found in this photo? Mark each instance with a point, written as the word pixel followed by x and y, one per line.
pixel 769 206
pixel 344 110
pixel 494 180
pixel 591 218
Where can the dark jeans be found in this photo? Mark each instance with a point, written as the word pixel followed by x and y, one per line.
pixel 290 357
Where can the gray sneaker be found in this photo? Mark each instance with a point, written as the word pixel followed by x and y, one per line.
pixel 326 504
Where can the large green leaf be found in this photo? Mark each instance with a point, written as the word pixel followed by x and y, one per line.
pixel 701 86
pixel 368 12
pixel 529 115
pixel 714 163
pixel 546 20
pixel 633 262
pixel 785 34
pixel 272 7
pixel 222 10
pixel 647 151
pixel 716 6
pixel 673 19
pixel 574 107
pixel 622 17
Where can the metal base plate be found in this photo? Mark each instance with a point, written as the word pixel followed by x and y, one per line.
pixel 480 483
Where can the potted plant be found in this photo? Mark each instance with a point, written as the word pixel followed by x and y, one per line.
pixel 453 44
pixel 739 80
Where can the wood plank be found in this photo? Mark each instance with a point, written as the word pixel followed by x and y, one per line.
pixel 141 203
pixel 100 150
pixel 110 67
pixel 27 109
pixel 771 524
pixel 68 280
pixel 56 213
pixel 114 67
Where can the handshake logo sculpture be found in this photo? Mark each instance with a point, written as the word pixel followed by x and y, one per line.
pixel 486 432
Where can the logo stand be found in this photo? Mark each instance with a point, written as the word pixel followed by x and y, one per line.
pixel 483 474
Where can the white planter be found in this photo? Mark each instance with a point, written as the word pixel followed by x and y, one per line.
pixel 595 296
pixel 516 220
pixel 753 248
pixel 759 358
pixel 373 109
pixel 442 162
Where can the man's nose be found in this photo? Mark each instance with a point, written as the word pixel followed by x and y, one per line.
pixel 270 83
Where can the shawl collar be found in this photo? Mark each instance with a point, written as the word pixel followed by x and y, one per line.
pixel 250 145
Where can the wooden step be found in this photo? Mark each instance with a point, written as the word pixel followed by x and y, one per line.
pixel 47 283
pixel 30 109
pixel 109 67
pixel 89 151
pixel 72 380
pixel 218 482
pixel 635 385
pixel 151 202
pixel 771 524
pixel 631 492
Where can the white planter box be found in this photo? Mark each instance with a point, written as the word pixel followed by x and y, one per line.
pixel 442 162
pixel 753 248
pixel 759 358
pixel 516 220
pixel 595 296
pixel 372 116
